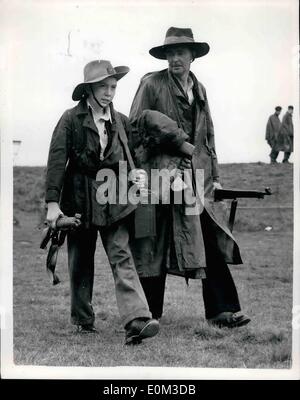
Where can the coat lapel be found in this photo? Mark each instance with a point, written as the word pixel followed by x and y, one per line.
pixel 88 121
pixel 200 114
pixel 175 89
pixel 113 140
pixel 113 133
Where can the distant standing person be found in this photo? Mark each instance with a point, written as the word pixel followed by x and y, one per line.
pixel 286 134
pixel 272 132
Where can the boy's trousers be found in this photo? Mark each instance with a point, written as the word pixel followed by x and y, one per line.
pixel 130 296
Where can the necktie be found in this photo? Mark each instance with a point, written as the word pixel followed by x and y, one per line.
pixel 103 138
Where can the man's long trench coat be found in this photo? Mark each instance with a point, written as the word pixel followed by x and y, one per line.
pixel 272 132
pixel 156 92
pixel 286 134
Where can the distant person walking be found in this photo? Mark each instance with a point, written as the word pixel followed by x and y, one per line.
pixel 272 132
pixel 286 135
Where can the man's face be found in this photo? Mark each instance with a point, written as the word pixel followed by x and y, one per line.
pixel 179 59
pixel 277 112
pixel 105 90
pixel 290 110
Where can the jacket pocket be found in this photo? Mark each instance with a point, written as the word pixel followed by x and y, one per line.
pixel 99 205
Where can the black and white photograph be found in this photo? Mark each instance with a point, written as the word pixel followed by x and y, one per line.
pixel 150 190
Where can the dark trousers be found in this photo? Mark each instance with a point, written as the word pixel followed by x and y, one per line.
pixel 130 296
pixel 154 288
pixel 218 289
pixel 274 155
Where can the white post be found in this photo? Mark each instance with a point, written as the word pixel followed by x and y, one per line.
pixel 16 148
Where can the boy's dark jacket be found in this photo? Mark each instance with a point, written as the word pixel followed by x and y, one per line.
pixel 73 162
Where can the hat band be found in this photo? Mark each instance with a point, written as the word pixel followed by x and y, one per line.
pixel 178 39
pixel 93 75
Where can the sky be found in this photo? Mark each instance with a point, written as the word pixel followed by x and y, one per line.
pixel 252 65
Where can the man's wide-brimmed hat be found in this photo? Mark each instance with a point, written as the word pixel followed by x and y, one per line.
pixel 96 71
pixel 180 36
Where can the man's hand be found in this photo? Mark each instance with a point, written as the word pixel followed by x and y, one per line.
pixel 53 213
pixel 217 185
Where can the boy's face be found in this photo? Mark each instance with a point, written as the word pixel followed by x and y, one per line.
pixel 105 90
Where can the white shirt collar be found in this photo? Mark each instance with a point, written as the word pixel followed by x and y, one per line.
pixel 100 113
pixel 189 92
pixel 190 83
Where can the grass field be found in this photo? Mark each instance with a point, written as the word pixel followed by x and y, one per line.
pixel 43 334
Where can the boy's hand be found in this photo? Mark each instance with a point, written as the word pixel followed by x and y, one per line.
pixel 53 213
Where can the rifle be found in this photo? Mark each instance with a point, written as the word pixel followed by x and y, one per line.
pixel 57 236
pixel 224 194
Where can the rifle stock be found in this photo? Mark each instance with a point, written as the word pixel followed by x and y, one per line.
pixel 57 237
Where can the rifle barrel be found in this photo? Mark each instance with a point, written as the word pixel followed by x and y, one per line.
pixel 223 194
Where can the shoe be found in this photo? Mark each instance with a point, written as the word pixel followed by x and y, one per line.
pixel 229 320
pixel 273 162
pixel 87 328
pixel 139 329
pixel 285 162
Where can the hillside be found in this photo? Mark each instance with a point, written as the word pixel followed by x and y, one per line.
pixel 42 331
pixel 252 214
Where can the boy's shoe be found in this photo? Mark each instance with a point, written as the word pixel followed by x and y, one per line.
pixel 139 329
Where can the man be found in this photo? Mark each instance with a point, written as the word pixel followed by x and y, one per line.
pixel 286 134
pixel 88 138
pixel 176 93
pixel 272 131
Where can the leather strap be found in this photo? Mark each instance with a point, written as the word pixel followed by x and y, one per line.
pixel 124 140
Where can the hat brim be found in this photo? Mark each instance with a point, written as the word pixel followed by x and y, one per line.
pixel 199 49
pixel 79 90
